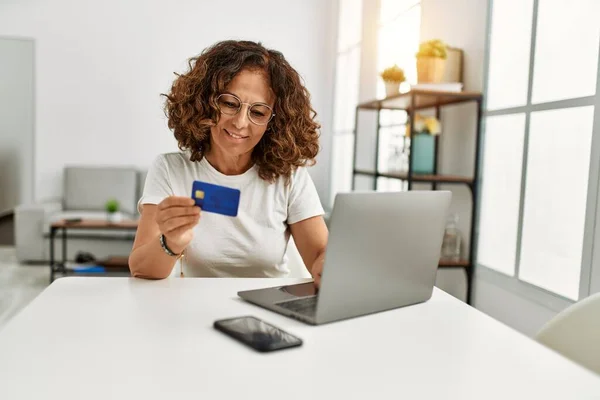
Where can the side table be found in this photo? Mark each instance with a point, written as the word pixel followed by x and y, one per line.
pixel 87 224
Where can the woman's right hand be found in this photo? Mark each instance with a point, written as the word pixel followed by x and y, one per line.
pixel 176 218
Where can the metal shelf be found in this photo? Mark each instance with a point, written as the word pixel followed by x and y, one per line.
pixel 452 179
pixel 422 99
pixel 410 102
pixel 454 264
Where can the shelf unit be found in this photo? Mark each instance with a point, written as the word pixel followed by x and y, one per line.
pixel 411 102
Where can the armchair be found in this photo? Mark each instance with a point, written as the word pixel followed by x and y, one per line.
pixel 85 191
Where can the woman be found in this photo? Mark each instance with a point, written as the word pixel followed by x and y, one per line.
pixel 243 120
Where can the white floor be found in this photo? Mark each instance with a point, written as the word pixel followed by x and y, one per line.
pixel 19 284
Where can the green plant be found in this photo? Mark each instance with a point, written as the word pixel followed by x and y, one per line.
pixel 433 48
pixel 112 206
pixel 393 74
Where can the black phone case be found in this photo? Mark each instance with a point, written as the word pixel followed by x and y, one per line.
pixel 218 326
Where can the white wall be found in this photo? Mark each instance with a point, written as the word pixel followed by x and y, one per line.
pixel 462 23
pixel 16 122
pixel 101 66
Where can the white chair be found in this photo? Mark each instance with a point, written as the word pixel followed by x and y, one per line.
pixel 575 333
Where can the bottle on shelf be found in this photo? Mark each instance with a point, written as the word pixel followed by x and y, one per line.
pixel 451 245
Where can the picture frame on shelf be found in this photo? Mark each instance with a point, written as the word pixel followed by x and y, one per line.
pixel 454 65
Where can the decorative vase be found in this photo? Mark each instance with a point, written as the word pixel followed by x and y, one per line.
pixel 430 69
pixel 392 88
pixel 114 217
pixel 422 148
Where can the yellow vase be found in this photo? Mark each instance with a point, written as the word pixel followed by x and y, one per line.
pixel 430 69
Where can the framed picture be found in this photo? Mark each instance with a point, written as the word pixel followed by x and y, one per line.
pixel 454 66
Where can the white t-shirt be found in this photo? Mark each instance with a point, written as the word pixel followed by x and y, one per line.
pixel 253 244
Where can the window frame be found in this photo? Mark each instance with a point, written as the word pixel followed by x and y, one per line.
pixel 590 264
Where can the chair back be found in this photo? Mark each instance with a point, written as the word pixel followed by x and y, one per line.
pixel 575 333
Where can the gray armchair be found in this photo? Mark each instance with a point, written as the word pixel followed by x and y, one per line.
pixel 85 192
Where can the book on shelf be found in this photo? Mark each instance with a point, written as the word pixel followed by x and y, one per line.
pixel 439 87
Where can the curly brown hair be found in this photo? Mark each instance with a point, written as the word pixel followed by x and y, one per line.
pixel 291 139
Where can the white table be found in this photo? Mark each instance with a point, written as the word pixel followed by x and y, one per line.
pixel 104 338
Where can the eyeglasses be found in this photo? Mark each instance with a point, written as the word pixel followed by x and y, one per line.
pixel 258 113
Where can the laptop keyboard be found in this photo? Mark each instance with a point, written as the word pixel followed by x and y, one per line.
pixel 305 306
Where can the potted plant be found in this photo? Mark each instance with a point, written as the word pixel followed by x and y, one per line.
pixel 392 77
pixel 422 144
pixel 112 209
pixel 431 61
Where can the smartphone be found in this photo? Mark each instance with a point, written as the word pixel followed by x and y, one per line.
pixel 257 333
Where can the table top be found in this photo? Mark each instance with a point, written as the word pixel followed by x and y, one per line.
pixel 125 338
pixel 96 224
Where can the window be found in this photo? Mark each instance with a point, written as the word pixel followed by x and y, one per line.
pixel 499 212
pixel 509 54
pixel 398 42
pixel 566 50
pixel 398 38
pixel 555 198
pixel 398 30
pixel 347 82
pixel 539 134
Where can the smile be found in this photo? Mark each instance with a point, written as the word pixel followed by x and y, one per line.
pixel 233 135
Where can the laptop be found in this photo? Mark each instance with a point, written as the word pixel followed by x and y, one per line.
pixel 383 253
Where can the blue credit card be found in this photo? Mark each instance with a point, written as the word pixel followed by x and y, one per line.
pixel 217 199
